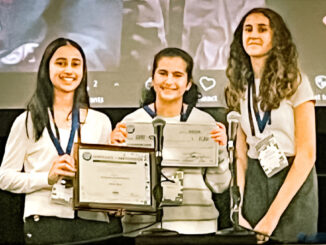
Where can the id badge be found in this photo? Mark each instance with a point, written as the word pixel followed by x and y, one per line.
pixel 270 156
pixel 173 190
pixel 62 192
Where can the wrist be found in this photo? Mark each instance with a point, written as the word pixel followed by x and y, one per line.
pixel 273 214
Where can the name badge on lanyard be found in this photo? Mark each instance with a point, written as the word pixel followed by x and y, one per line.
pixel 62 191
pixel 173 189
pixel 271 158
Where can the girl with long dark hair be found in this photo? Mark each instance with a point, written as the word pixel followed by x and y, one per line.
pixel 38 151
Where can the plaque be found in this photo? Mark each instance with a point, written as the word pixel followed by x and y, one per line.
pixel 114 177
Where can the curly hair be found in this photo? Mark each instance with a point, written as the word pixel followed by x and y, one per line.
pixel 42 98
pixel 281 76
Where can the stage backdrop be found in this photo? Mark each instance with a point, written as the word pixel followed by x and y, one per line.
pixel 120 39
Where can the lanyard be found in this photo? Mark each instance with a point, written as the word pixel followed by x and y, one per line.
pixel 267 114
pixel 74 127
pixel 183 116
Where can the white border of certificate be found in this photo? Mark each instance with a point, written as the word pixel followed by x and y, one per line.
pixel 114 177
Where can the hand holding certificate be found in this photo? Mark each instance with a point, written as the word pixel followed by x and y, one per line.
pixel 185 144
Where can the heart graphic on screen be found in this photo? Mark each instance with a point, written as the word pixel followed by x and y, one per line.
pixel 320 81
pixel 207 83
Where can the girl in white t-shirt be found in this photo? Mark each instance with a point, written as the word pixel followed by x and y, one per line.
pixel 276 141
pixel 39 147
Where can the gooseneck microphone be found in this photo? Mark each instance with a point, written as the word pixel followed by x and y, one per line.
pixel 236 231
pixel 232 118
pixel 233 122
pixel 158 124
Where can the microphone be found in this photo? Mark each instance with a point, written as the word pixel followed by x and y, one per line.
pixel 158 125
pixel 233 122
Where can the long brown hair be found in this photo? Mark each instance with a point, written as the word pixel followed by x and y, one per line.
pixel 42 98
pixel 281 75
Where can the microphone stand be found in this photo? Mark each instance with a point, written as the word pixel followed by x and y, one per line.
pixel 235 190
pixel 236 232
pixel 158 125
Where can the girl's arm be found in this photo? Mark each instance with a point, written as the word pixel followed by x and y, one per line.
pixel 305 143
pixel 241 161
pixel 11 176
pixel 218 178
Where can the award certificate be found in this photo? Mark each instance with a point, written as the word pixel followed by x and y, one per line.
pixel 111 177
pixel 184 144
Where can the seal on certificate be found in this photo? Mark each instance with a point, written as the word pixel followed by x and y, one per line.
pixel 87 156
pixel 130 129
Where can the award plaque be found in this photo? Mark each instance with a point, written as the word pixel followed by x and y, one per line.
pixel 114 177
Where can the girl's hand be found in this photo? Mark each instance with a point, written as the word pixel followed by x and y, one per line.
pixel 243 222
pixel 62 166
pixel 119 134
pixel 265 227
pixel 218 134
pixel 261 238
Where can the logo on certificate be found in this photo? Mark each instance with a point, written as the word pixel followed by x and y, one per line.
pixel 87 156
pixel 130 129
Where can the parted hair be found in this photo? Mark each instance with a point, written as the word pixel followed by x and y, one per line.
pixel 191 96
pixel 42 99
pixel 281 76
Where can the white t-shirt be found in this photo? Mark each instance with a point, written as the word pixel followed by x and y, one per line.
pixel 37 158
pixel 282 120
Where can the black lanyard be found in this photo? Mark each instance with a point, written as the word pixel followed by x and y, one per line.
pixel 74 127
pixel 183 116
pixel 267 114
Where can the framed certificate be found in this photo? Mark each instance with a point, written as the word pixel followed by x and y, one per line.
pixel 113 177
pixel 184 145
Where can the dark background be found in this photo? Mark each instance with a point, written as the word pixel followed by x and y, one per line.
pixel 12 205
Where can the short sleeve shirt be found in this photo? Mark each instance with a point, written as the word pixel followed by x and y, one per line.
pixel 282 120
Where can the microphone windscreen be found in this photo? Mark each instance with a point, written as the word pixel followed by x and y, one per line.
pixel 158 122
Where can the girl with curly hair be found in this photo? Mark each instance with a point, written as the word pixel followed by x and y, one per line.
pixel 276 141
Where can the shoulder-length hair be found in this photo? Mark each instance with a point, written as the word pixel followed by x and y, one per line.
pixel 191 96
pixel 42 98
pixel 281 75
